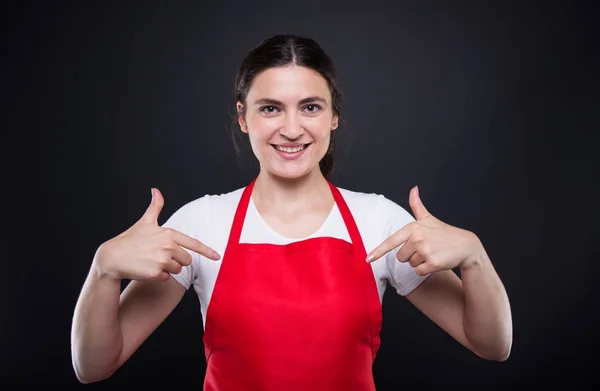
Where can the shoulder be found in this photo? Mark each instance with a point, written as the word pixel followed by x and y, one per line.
pixel 202 208
pixel 223 201
pixel 362 202
pixel 374 206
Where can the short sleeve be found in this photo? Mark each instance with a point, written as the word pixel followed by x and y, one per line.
pixel 181 221
pixel 401 276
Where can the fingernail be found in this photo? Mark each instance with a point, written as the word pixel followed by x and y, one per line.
pixel 370 257
pixel 152 192
pixel 216 256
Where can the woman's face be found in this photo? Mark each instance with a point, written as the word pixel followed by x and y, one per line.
pixel 289 118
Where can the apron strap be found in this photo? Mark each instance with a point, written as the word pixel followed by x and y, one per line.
pixel 240 215
pixel 355 236
pixel 242 208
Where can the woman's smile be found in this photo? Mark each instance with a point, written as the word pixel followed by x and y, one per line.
pixel 289 151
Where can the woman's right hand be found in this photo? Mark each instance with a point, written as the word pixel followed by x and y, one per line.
pixel 147 251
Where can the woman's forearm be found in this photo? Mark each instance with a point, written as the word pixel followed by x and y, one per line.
pixel 96 339
pixel 487 318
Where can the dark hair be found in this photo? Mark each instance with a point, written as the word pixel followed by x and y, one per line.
pixel 284 50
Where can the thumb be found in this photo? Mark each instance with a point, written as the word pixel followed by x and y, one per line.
pixel 416 204
pixel 156 205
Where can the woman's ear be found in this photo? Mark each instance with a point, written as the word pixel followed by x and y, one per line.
pixel 335 122
pixel 241 121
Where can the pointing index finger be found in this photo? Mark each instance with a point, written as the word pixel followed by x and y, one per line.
pixel 396 239
pixel 195 245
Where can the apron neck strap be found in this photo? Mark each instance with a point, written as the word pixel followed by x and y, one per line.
pixel 351 226
pixel 240 214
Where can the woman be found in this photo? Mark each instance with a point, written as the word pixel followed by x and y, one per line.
pixel 294 302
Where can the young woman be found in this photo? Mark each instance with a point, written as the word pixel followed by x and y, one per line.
pixel 290 270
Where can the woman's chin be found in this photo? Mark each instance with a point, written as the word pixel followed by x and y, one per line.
pixel 290 173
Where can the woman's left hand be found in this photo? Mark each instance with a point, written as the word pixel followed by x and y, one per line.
pixel 430 245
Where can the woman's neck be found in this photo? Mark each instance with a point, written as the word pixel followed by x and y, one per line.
pixel 290 194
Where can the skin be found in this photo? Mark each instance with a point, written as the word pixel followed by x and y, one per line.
pixel 475 310
pixel 109 326
pixel 290 105
pixel 294 198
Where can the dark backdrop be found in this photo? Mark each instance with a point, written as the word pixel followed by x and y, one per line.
pixel 491 109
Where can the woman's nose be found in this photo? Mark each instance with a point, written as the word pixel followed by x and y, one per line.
pixel 291 128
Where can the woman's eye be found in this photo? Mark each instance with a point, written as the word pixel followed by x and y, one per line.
pixel 268 109
pixel 312 108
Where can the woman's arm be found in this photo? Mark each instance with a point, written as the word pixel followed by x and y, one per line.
pixel 108 327
pixel 474 310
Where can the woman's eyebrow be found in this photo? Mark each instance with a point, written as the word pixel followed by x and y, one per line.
pixel 275 102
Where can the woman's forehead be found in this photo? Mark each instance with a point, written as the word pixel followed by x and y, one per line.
pixel 288 83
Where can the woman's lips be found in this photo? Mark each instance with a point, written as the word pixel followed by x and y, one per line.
pixel 291 151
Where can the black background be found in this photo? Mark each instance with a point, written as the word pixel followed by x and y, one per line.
pixel 490 107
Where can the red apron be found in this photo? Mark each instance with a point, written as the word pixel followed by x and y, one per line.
pixel 304 316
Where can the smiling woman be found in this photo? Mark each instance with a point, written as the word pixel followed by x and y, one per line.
pixel 289 118
pixel 294 303
pixel 294 88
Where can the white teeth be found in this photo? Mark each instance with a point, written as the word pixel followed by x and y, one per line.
pixel 288 149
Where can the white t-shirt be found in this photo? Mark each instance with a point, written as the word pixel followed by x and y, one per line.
pixel 209 219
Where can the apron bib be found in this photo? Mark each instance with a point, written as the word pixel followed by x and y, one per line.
pixel 305 316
